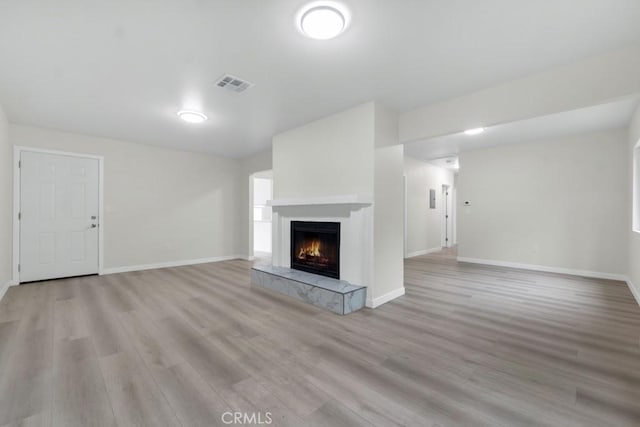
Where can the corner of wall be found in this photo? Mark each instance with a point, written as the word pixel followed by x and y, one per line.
pixel 633 241
pixel 386 126
pixel 388 214
pixel 382 299
pixel 6 203
pixel 634 288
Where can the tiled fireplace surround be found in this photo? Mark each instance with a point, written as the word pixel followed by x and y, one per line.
pixel 355 215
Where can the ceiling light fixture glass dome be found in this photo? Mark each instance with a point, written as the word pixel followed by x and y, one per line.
pixel 191 116
pixel 322 22
pixel 474 131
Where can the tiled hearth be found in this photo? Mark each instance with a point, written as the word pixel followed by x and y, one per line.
pixel 336 295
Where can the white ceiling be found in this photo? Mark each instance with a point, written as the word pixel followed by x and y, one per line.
pixel 600 117
pixel 448 162
pixel 122 68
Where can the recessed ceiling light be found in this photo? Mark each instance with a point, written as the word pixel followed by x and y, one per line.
pixel 475 131
pixel 322 22
pixel 191 116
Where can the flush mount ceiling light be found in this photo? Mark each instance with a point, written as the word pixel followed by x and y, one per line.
pixel 191 116
pixel 475 131
pixel 322 22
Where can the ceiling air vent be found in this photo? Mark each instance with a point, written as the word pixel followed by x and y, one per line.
pixel 233 83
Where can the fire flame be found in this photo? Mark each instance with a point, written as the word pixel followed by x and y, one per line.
pixel 313 249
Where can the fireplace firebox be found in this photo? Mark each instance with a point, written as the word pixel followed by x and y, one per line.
pixel 315 247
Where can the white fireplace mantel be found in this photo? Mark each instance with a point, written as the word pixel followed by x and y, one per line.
pixel 353 212
pixel 353 199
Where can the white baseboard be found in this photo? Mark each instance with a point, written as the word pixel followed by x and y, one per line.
pixel 635 290
pixel 534 267
pixel 377 302
pixel 4 288
pixel 129 268
pixel 261 254
pixel 423 252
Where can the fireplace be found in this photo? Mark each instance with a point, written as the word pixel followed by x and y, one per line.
pixel 315 247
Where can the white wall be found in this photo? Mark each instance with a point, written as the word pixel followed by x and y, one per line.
pixel 161 205
pixel 388 212
pixel 634 237
pixel 328 157
pixel 553 203
pixel 568 87
pixel 388 217
pixel 337 156
pixel 6 180
pixel 424 225
pixel 386 126
pixel 333 156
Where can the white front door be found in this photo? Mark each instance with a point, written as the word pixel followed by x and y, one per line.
pixel 59 204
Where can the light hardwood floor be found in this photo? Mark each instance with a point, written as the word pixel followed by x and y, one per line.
pixel 467 345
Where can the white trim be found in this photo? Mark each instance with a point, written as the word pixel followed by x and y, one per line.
pixel 56 152
pixel 250 229
pixel 423 252
pixel 101 221
pixel 17 151
pixel 4 288
pixel 141 267
pixel 377 302
pixel 533 267
pixel 356 238
pixel 634 289
pixel 353 199
pixel 635 189
pixel 15 277
pixel 406 219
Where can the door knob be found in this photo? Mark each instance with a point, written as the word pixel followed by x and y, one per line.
pixel 93 225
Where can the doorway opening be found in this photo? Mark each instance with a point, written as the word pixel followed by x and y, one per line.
pixel 262 189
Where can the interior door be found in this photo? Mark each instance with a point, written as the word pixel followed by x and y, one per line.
pixel 445 196
pixel 59 205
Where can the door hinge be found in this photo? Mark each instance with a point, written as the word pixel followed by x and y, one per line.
pixel 18 268
pixel 19 163
pixel 446 216
pixel 19 216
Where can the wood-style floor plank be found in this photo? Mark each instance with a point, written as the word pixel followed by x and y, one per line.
pixel 468 345
pixel 26 378
pixel 79 394
pixel 134 394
